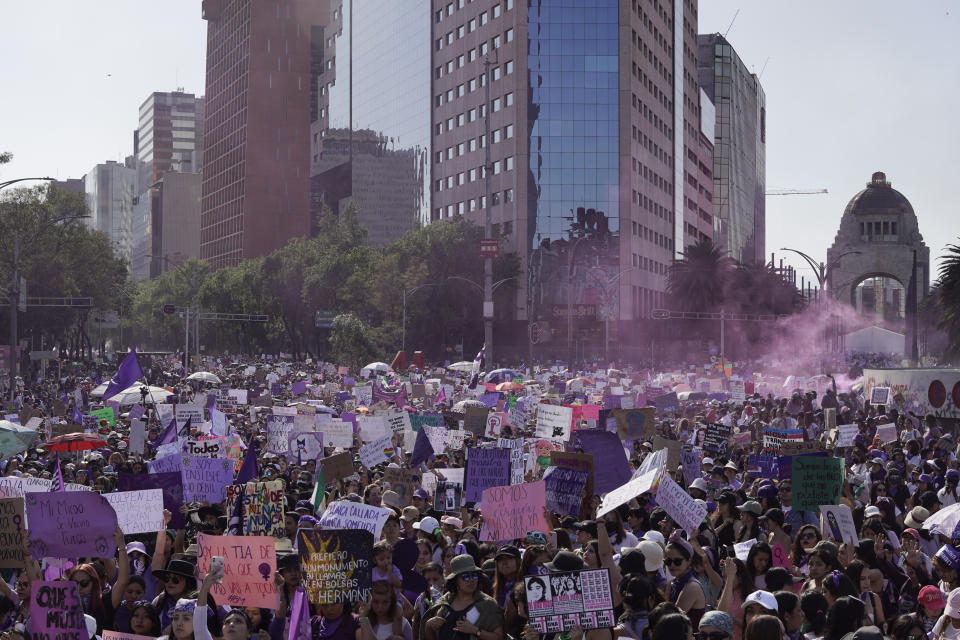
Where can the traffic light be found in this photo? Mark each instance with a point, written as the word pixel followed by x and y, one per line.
pixel 169 309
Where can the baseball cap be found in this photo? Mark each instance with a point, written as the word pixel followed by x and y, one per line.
pixel 655 536
pixel 652 555
pixel 427 525
pixel 948 555
pixel 751 506
pixel 768 491
pixel 774 514
pixel 587 526
pixel 421 493
pixel 932 598
pixel 700 484
pixel 509 551
pixel 632 560
pixel 872 511
pixel 708 461
pixel 764 598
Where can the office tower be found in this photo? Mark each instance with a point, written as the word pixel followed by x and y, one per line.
pixel 259 83
pixel 739 154
pixel 168 139
pixel 110 189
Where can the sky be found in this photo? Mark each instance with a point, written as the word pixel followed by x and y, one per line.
pixel 852 87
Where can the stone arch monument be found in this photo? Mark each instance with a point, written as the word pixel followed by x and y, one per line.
pixel 880 225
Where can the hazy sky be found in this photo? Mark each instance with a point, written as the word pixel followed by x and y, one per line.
pixel 852 87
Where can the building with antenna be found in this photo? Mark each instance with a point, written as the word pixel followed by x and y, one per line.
pixel 739 149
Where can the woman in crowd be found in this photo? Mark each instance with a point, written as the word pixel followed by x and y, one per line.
pixel 449 615
pixel 737 587
pixel 844 616
pixel 381 618
pixel 758 561
pixel 685 590
pixel 805 540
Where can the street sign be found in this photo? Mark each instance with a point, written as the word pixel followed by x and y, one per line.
pixel 106 319
pixel 324 319
pixel 583 311
pixel 489 248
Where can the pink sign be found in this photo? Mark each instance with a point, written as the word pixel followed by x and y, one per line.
pixel 55 610
pixel 249 564
pixel 780 557
pixel 510 512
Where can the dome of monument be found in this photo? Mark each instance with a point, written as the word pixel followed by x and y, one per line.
pixel 878 198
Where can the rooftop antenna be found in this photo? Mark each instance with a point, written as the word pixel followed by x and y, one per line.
pixel 731 24
pixel 760 75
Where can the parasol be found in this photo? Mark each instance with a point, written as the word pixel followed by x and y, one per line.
pixel 74 442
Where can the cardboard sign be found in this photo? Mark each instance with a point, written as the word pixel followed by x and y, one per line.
pixel 137 511
pixel 370 428
pixel 205 479
pixel 605 446
pixel 845 435
pixel 764 466
pixel 642 483
pixel 11 533
pixel 117 635
pixel 836 523
pixel 494 426
pixel 261 512
pixel 816 481
pixel 887 432
pixel 56 612
pixel 690 460
pixel 635 424
pixel 564 490
pixel 509 512
pixel 337 467
pixel 485 468
pixel 70 524
pixel 402 481
pixel 716 437
pixel 336 433
pixel 171 484
pixel 742 549
pixel 560 601
pixel 800 447
pixel 448 496
pixel 880 395
pixel 685 511
pixel 515 446
pixel 279 428
pixel 674 450
pixel 554 421
pixel 377 452
pixel 343 514
pixel 336 566
pixel 667 403
pixel 475 420
pixel 205 448
pixel 249 564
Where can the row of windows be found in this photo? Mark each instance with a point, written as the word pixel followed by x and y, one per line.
pixel 650 205
pixel 477 173
pixel 460 208
pixel 652 177
pixel 459 4
pixel 650 235
pixel 876 230
pixel 647 143
pixel 658 123
pixel 649 264
pixel 652 87
pixel 646 300
pixel 463 30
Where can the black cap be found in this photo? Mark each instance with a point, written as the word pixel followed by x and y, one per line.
pixel 509 551
pixel 632 561
pixel 773 514
pixel 587 526
pixel 566 561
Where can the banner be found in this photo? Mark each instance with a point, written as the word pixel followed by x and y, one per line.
pixel 560 601
pixel 344 514
pixel 262 508
pixel 685 511
pixel 485 468
pixel 137 511
pixel 336 566
pixel 816 481
pixel 204 479
pixel 510 512
pixel 564 490
pixel 56 612
pixel 70 524
pixel 249 564
pixel 11 533
pixel 554 421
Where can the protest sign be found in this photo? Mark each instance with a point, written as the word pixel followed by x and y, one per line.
pixel 305 446
pixel 189 412
pixel 485 468
pixel 715 440
pixel 11 533
pixel 203 448
pixel 370 427
pixel 363 394
pixel 105 415
pixel 509 512
pixel 138 436
pixel 455 439
pixel 336 433
pixel 836 522
pixel 336 566
pixel 673 447
pixel 738 391
pixel 580 462
pixel 564 490
pixel 515 446
pixel 448 496
pixel 343 514
pixel 560 601
pixel 377 452
pixel 171 483
pixel 261 510
pixel 685 511
pixel 337 467
pixel 402 481
pixel 816 481
pixel 764 466
pixel 70 524
pixel 667 403
pixel 438 438
pixel 56 612
pixel 627 492
pixel 690 460
pixel 554 421
pixel 887 432
pixel 605 446
pixel 845 435
pixel 829 418
pixel 249 564
pixel 880 395
pixel 775 439
pixel 742 549
pixel 494 426
pixel 118 635
pixel 634 424
pixel 14 440
pixel 137 511
pixel 205 479
pixel 801 447
pixel 398 422
pixel 418 420
pixel 475 420
pixel 166 464
pixel 279 428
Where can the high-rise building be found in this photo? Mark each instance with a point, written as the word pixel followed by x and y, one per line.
pixel 168 139
pixel 370 137
pixel 110 189
pixel 261 63
pixel 740 149
pixel 600 171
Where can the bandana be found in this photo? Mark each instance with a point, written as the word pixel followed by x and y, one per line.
pixel 185 605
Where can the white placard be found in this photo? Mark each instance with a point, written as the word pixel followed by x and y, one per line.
pixel 137 511
pixel 343 514
pixel 836 523
pixel 377 452
pixel 336 433
pixel 138 436
pixel 685 511
pixel 371 428
pixel 553 419
pixel 845 434
pixel 742 549
pixel 627 492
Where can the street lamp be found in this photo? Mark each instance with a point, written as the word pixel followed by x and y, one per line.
pixel 606 320
pixel 821 270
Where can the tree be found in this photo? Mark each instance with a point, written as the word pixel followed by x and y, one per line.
pixel 350 342
pixel 697 282
pixel 948 299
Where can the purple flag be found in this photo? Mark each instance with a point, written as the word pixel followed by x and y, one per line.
pixel 299 617
pixel 249 469
pixel 76 417
pixel 475 376
pixel 128 373
pixel 422 449
pixel 168 435
pixel 57 484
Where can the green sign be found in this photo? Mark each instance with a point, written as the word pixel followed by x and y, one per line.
pixel 105 414
pixel 816 481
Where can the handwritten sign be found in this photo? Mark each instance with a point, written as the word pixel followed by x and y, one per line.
pixel 70 524
pixel 137 511
pixel 509 512
pixel 845 434
pixel 205 448
pixel 249 563
pixel 170 483
pixel 336 566
pixel 398 422
pixel 887 432
pixel 564 490
pixel 166 464
pixel 279 428
pixel 343 514
pixel 742 549
pixel 801 447
pixel 11 533
pixel 715 440
pixel 117 635
pixel 337 466
pixel 376 452
pixel 816 481
pixel 880 395
pixel 642 483
pixel 261 511
pixel 448 496
pixel 634 424
pixel 674 449
pixel 205 479
pixel 690 460
pixel 56 612
pixel 485 468
pixel 667 403
pixel 515 446
pixel 305 446
pixel 554 421
pixel 337 433
pixel 685 511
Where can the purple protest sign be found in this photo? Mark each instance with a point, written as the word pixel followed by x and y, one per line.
pixel 206 479
pixel 612 468
pixel 564 490
pixel 171 483
pixel 485 468
pixel 489 399
pixel 56 611
pixel 298 388
pixel 70 524
pixel 136 412
pixel 276 388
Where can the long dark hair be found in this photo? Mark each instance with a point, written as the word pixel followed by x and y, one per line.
pixel 814 607
pixel 758 548
pixel 845 616
pixel 152 613
pixel 672 626
pixel 797 554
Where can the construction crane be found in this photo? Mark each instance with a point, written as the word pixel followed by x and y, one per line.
pixel 795 192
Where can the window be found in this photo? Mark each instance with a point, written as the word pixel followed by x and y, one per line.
pixel 460 178
pixel 460 208
pixel 439 158
pixel 450 38
pixel 472 25
pixel 886 228
pixel 439 100
pixel 438 129
pixel 439 72
pixel 508 195
pixel 439 16
pixel 893 228
pixel 438 186
pixel 483 48
pixel 449 124
pixel 460 90
pixel 472 55
pixel 473 172
pixel 496 11
pixel 508 163
pixel 496 73
pixel 460 119
pixel 508 68
pixel 472 84
pixel 496 42
pixel 496 136
pixel 508 35
pixel 450 9
pixel 450 95
pixel 508 132
pixel 508 100
pixel 461 30
pixel 496 167
pixel 483 141
pixel 449 210
pixel 449 66
pixel 495 198
pixel 483 18
pixel 473 204
pixel 509 4
pixel 460 60
pixel 472 145
pixel 496 105
pixel 449 182
pixel 460 148
pixel 449 153
pixel 471 115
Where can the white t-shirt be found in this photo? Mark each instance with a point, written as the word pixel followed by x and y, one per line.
pixel 943 626
pixel 385 630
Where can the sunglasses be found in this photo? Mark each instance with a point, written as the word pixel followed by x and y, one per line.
pixel 83 584
pixel 673 561
pixel 467 577
pixel 174 579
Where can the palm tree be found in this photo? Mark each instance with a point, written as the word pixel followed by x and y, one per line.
pixel 948 297
pixel 697 282
pixel 759 289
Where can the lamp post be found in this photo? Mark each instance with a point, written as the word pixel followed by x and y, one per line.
pixel 821 270
pixel 606 320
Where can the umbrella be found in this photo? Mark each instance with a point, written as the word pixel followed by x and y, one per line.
pixel 463 366
pixel 509 386
pixel 74 442
pixel 501 375
pixel 204 376
pixel 461 407
pixel 131 395
pixel 378 367
pixel 587 382
pixel 944 521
